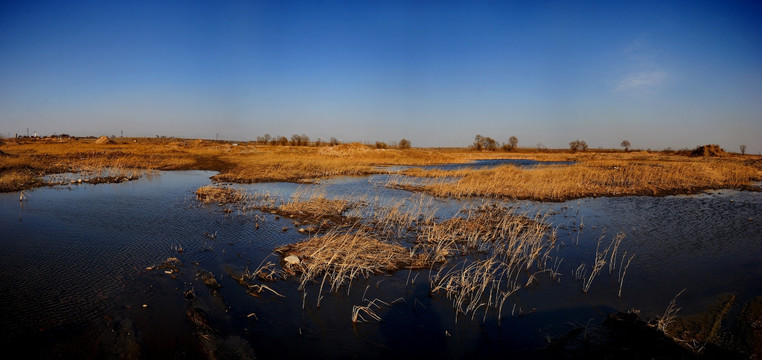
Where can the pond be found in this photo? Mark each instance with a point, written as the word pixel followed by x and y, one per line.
pixel 79 274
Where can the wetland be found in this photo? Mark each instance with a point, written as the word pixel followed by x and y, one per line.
pixel 191 264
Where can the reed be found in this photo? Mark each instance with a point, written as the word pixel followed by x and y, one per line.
pixel 340 257
pixel 593 174
pixel 670 314
pixel 514 251
pixel 589 177
pixel 600 261
pixel 218 194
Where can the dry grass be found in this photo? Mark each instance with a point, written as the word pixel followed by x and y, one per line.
pixel 15 180
pixel 245 163
pixel 313 204
pixel 308 164
pixel 23 162
pixel 341 257
pixel 602 175
pixel 670 315
pixel 217 194
pixel 514 250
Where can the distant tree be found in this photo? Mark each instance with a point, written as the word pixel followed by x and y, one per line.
pixel 296 140
pixel 490 144
pixel 626 145
pixel 743 149
pixel 513 141
pixel 540 146
pixel 280 140
pixel 477 142
pixel 381 145
pixel 404 144
pixel 264 139
pixel 484 143
pixel 578 145
pixel 319 142
pixel 333 141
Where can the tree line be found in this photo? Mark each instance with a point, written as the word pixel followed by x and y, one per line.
pixel 486 143
pixel 304 140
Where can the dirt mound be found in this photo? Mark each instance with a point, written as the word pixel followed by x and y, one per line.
pixel 709 150
pixel 103 140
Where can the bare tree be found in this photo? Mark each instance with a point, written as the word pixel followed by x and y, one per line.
pixel 743 149
pixel 477 142
pixel 513 141
pixel 296 140
pixel 333 141
pixel 404 144
pixel 484 142
pixel 626 145
pixel 578 145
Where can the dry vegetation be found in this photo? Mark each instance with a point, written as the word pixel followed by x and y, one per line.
pixel 23 163
pixel 591 175
pixel 500 251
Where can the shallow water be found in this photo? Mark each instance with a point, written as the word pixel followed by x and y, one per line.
pixel 73 261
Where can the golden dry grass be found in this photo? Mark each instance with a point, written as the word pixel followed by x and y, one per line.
pixel 592 175
pixel 340 257
pixel 216 194
pixel 245 163
pixel 24 162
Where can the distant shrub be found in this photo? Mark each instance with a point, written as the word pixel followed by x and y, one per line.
pixel 404 144
pixel 578 145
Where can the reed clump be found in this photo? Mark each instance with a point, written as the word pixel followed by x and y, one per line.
pixel 217 194
pixel 506 250
pixel 340 257
pixel 310 203
pixel 514 250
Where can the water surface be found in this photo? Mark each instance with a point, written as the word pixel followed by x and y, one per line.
pixel 73 263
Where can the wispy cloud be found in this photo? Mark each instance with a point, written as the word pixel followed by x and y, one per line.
pixel 640 80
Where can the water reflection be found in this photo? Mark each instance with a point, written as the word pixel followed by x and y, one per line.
pixel 73 260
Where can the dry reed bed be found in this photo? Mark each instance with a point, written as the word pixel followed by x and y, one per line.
pixel 306 165
pixel 340 257
pixel 246 163
pixel 589 178
pixel 507 252
pixel 515 249
pixel 220 195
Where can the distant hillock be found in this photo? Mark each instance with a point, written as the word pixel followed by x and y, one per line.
pixel 709 150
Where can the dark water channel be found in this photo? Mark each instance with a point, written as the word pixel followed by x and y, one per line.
pixel 74 281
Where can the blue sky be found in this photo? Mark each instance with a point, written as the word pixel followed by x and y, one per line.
pixel 660 74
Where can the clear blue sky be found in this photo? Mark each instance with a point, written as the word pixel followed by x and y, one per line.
pixel 660 74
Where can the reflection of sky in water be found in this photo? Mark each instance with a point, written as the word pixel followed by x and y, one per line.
pixel 71 256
